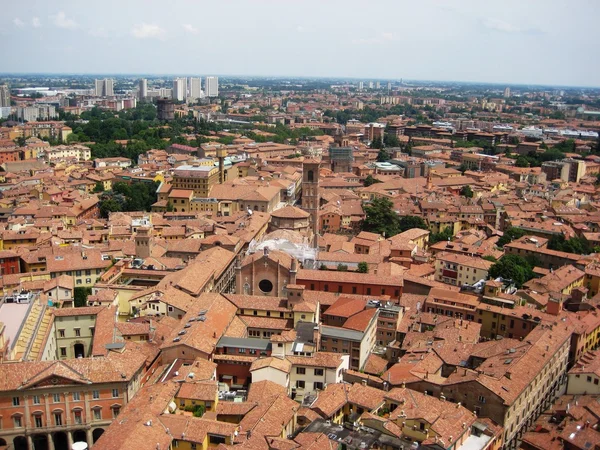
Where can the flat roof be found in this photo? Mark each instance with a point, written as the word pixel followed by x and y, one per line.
pixel 254 343
pixel 12 315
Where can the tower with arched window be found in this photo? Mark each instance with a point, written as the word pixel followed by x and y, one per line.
pixel 310 193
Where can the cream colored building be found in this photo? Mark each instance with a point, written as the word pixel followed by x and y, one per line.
pixel 456 269
pixel 584 377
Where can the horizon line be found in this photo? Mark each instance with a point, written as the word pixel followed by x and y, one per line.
pixel 305 77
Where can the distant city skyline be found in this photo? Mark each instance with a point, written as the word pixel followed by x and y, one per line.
pixel 511 42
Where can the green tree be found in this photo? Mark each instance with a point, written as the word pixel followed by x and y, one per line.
pixel 363 267
pixel 377 143
pixel 109 205
pixel 199 411
pixel 342 267
pixel 383 155
pixel 466 191
pixel 370 180
pixel 512 267
pixel 99 187
pixel 170 206
pixel 578 245
pixel 21 141
pixel 410 222
pixel 510 234
pixel 522 162
pixel 80 296
pixel 381 218
pixel 322 267
pixel 445 235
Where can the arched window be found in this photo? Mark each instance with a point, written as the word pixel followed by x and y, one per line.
pixel 310 176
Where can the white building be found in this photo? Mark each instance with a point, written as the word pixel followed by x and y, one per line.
pixel 63 152
pixel 4 96
pixel 143 89
pixel 179 89
pixel 195 88
pixel 36 113
pixel 104 88
pixel 211 87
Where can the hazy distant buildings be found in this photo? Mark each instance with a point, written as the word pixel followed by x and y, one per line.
pixel 361 85
pixel 143 89
pixel 165 109
pixel 4 96
pixel 507 92
pixel 179 89
pixel 211 86
pixel 36 113
pixel 104 88
pixel 195 88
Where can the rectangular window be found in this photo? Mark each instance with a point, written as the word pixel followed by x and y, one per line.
pixel 115 411
pixel 76 396
pixel 57 419
pixel 369 291
pixel 115 393
pixel 97 414
pixel 77 417
pixel 300 384
pixel 318 385
pixel 61 333
pixel 16 401
pixel 95 395
pixel 63 351
pixel 36 399
pixel 300 370
pixel 17 421
pixel 354 289
pixel 56 398
pixel 318 372
pixel 38 421
pixel 77 331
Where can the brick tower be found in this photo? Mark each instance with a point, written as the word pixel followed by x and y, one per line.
pixel 310 193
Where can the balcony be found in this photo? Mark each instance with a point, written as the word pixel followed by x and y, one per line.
pixel 450 273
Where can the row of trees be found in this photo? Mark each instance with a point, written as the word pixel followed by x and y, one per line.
pixel 128 197
pixel 382 219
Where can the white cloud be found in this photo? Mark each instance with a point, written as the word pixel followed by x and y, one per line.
pixel 500 25
pixel 190 28
pixel 99 32
pixel 379 39
pixel 18 22
pixel 62 21
pixel 505 27
pixel 35 22
pixel 147 31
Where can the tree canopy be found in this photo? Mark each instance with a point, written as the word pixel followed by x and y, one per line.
pixel 381 218
pixel 513 267
pixel 466 191
pixel 409 222
pixel 510 234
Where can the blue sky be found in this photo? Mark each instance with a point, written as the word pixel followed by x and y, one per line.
pixel 508 41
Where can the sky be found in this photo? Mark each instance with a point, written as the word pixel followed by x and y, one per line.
pixel 553 42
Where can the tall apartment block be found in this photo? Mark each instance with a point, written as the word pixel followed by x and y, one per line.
pixel 143 89
pixel 104 88
pixel 179 89
pixel 194 88
pixel 4 96
pixel 211 86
